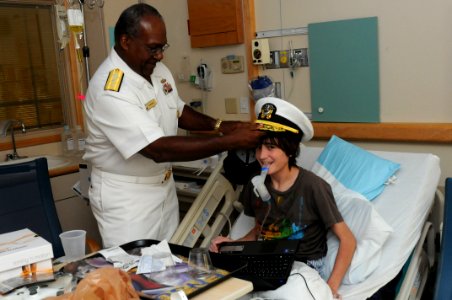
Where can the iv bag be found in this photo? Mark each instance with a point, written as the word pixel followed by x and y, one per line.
pixel 61 23
pixel 75 18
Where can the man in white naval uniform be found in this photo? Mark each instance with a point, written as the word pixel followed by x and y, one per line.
pixel 133 111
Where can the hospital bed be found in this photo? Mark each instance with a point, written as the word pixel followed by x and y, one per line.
pixel 411 206
pixel 211 210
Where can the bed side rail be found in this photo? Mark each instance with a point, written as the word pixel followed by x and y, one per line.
pixel 209 212
pixel 424 253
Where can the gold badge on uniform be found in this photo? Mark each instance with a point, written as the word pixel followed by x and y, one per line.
pixel 167 88
pixel 150 104
pixel 114 80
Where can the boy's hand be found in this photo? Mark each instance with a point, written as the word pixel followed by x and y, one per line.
pixel 215 243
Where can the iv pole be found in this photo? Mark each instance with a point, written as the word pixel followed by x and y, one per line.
pixel 85 48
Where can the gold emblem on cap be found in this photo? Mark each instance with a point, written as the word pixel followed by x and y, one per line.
pixel 267 111
pixel 114 80
pixel 150 104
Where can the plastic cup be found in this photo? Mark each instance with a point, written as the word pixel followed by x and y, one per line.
pixel 199 261
pixel 73 243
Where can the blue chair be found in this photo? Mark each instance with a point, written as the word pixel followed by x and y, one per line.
pixel 443 288
pixel 26 201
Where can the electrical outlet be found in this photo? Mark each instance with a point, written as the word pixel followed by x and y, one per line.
pixel 244 105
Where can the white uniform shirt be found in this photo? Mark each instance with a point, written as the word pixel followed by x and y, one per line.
pixel 121 123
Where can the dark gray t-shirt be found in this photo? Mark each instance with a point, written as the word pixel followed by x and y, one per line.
pixel 305 211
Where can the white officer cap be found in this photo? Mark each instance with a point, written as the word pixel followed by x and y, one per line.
pixel 279 115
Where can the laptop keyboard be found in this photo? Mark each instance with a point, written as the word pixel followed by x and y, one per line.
pixel 266 263
pixel 268 267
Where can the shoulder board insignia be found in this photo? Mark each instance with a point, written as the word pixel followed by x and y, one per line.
pixel 150 104
pixel 114 80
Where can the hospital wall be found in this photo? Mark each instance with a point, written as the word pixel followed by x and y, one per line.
pixel 415 61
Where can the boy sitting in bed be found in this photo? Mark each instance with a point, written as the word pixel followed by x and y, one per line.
pixel 302 205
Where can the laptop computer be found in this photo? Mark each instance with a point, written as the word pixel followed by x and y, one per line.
pixel 267 264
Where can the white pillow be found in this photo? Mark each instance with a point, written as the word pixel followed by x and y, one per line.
pixel 356 176
pixel 370 231
pixel 351 167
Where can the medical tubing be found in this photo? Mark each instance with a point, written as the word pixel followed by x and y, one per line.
pixel 259 184
pixel 229 223
pixel 269 206
pixel 265 194
pixel 305 282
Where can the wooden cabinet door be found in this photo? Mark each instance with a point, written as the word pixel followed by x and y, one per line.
pixel 215 22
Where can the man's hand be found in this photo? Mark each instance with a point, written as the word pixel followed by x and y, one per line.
pixel 243 135
pixel 228 127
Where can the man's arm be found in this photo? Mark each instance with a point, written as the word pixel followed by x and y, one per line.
pixel 237 135
pixel 191 119
pixel 194 120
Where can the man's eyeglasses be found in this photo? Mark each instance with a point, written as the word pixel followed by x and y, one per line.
pixel 157 50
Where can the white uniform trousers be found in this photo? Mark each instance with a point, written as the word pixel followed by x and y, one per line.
pixel 129 208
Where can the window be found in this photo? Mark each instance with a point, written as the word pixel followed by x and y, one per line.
pixel 32 71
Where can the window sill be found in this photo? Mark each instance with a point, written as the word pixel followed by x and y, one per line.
pixel 31 138
pixel 439 133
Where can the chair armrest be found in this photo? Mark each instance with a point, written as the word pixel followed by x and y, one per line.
pixel 92 245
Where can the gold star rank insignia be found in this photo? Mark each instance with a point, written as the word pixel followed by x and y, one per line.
pixel 114 80
pixel 150 104
pixel 167 88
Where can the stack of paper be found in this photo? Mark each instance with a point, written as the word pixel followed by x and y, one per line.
pixel 24 254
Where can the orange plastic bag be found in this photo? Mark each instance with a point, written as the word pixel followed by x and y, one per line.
pixel 104 283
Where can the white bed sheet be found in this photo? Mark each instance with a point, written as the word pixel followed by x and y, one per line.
pixel 404 205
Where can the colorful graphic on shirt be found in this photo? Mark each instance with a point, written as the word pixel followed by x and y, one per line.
pixel 282 229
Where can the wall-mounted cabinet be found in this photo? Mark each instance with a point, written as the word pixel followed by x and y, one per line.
pixel 215 22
